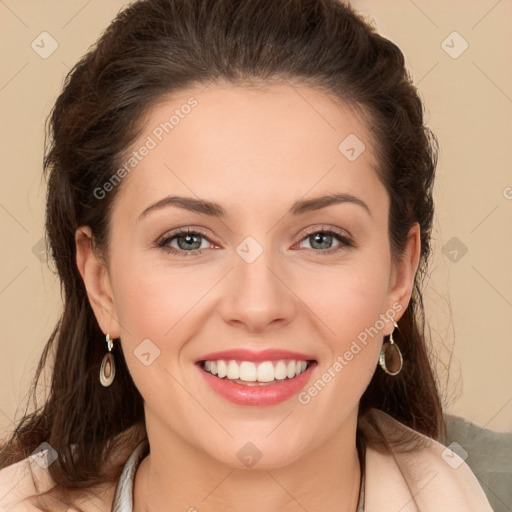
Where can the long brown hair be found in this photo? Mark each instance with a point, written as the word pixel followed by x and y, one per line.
pixel 156 47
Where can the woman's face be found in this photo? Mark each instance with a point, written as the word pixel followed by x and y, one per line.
pixel 275 270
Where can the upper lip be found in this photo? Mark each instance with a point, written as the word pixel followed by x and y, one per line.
pixel 242 354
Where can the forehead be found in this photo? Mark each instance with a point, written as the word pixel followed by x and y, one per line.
pixel 242 144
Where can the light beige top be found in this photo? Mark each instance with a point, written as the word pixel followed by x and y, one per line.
pixel 430 478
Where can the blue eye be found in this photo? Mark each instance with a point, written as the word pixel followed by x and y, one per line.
pixel 186 239
pixel 187 242
pixel 322 237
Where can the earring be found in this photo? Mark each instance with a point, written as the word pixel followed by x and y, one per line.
pixel 390 359
pixel 108 365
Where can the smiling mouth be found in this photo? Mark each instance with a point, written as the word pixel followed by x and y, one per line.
pixel 262 373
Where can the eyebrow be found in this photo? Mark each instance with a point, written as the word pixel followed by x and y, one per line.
pixel 216 210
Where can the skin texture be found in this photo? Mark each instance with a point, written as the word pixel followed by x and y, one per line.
pixel 255 153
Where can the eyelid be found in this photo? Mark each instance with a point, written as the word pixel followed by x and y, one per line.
pixel 184 229
pixel 326 229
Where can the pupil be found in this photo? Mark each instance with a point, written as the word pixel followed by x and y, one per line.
pixel 318 237
pixel 189 239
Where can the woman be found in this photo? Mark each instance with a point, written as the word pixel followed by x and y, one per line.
pixel 239 207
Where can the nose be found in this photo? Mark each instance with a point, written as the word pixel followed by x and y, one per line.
pixel 257 295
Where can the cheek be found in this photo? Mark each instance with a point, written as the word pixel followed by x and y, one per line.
pixel 145 310
pixel 347 299
pixel 351 350
pixel 352 305
pixel 160 310
pixel 154 309
pixel 152 300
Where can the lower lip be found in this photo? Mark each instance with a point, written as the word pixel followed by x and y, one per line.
pixel 269 394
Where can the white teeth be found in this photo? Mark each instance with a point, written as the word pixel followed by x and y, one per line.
pixel 222 369
pixel 290 370
pixel 265 372
pixel 233 371
pixel 280 370
pixel 247 371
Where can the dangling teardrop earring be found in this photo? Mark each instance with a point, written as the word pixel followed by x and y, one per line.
pixel 390 359
pixel 108 365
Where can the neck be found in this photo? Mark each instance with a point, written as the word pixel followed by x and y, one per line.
pixel 326 478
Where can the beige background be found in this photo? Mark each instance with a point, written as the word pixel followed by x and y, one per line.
pixel 469 106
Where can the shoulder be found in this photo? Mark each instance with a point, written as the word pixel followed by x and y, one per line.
pixel 413 472
pixel 23 483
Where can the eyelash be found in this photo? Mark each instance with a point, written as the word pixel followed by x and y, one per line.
pixel 163 243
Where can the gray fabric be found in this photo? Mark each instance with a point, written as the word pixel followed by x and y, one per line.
pixel 360 504
pixel 489 455
pixel 123 499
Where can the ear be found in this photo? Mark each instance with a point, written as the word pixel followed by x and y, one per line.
pixel 96 279
pixel 403 273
